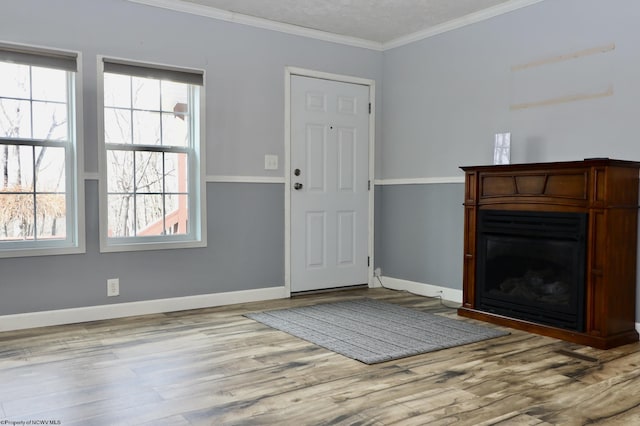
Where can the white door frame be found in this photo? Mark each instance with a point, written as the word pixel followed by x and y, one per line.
pixel 288 72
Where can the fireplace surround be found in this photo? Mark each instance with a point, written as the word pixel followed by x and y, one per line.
pixel 550 248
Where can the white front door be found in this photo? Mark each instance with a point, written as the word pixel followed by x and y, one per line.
pixel 329 183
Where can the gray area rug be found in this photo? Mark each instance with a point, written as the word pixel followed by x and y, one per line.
pixel 372 331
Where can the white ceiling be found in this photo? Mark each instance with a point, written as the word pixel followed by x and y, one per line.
pixel 376 23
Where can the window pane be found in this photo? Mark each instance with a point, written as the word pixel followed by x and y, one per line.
pixel 175 97
pixel 146 128
pixel 117 90
pixel 120 219
pixel 149 215
pixel 146 93
pixel 16 216
pixel 15 118
pixel 149 172
pixel 120 171
pixel 50 168
pixel 50 216
pixel 50 121
pixel 177 218
pixel 117 126
pixel 16 168
pixel 175 130
pixel 15 81
pixel 49 84
pixel 176 172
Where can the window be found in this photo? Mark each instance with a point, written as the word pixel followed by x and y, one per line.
pixel 151 174
pixel 39 158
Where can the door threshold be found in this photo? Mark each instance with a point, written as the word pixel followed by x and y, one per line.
pixel 329 290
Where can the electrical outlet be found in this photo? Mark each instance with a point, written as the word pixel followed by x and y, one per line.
pixel 113 287
pixel 377 272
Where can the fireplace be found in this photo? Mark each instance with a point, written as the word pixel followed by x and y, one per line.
pixel 550 248
pixel 531 266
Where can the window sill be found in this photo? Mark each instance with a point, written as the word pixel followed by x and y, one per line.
pixel 137 246
pixel 49 251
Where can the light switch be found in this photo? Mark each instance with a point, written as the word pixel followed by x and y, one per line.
pixel 271 162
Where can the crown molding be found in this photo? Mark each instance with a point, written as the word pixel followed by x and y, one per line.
pixel 223 15
pixel 463 21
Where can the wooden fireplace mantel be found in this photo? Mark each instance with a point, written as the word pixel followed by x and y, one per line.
pixel 605 189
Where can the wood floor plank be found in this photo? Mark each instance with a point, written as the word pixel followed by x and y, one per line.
pixel 215 366
pixel 595 403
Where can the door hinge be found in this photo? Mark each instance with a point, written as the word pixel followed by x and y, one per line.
pixel 369 185
pixel 369 107
pixel 368 260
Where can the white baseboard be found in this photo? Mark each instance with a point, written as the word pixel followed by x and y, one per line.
pixel 119 310
pixel 423 289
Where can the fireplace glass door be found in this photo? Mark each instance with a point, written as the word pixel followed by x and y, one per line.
pixel 531 266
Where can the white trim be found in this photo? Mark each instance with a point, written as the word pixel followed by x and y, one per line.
pixel 472 18
pixel 45 251
pixel 120 310
pixel 288 72
pixel 287 179
pixel 238 18
pixel 420 181
pixel 201 151
pixel 244 179
pixel 331 76
pixel 81 236
pixel 372 174
pixel 148 246
pixel 223 15
pixel 423 289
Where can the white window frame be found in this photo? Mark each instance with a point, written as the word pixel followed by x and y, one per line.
pixel 74 241
pixel 197 235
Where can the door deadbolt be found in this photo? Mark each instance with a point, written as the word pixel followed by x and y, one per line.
pixel 296 172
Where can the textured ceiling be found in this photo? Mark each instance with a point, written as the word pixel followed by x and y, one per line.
pixel 380 21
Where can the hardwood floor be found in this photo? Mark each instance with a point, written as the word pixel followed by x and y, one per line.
pixel 214 366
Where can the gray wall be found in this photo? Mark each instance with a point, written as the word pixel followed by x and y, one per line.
pixel 245 251
pixel 445 97
pixel 421 233
pixel 244 69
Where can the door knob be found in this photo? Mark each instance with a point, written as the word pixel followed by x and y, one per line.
pixel 297 186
